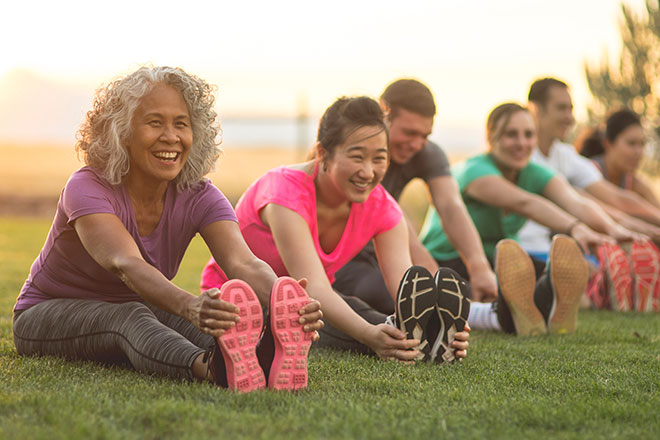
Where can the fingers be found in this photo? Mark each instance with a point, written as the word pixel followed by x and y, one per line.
pixel 393 332
pixel 405 355
pixel 303 283
pixel 310 307
pixel 460 354
pixel 311 316
pixel 460 345
pixel 213 293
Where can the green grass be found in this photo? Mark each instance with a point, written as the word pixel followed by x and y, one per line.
pixel 602 382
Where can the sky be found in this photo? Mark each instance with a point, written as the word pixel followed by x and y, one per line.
pixel 272 58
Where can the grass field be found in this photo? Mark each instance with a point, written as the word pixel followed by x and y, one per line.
pixel 601 382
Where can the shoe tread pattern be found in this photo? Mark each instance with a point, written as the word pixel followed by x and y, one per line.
pixel 569 274
pixel 517 279
pixel 453 308
pixel 645 263
pixel 289 368
pixel 618 276
pixel 415 307
pixel 238 344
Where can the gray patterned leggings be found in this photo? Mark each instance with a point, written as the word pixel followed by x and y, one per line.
pixel 150 339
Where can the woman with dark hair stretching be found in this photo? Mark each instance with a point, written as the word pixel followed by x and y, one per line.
pixel 629 275
pixel 308 220
pixel 501 190
pixel 101 287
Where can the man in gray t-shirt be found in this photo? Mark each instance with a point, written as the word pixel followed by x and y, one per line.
pixel 409 109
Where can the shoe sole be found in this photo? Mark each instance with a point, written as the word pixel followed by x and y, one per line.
pixel 569 274
pixel 238 344
pixel 646 268
pixel 453 308
pixel 618 276
pixel 517 279
pixel 292 343
pixel 415 306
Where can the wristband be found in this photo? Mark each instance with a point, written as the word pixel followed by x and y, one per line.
pixel 571 226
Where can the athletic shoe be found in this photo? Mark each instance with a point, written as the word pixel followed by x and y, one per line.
pixel 597 290
pixel 569 274
pixel 644 256
pixel 516 279
pixel 289 368
pixel 238 344
pixel 453 308
pixel 618 276
pixel 416 314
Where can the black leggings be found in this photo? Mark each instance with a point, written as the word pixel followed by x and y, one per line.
pixel 142 335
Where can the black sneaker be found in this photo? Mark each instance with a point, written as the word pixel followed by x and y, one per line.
pixel 416 314
pixel 503 314
pixel 453 308
pixel 569 274
pixel 517 279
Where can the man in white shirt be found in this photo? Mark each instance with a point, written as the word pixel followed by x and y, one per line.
pixel 552 108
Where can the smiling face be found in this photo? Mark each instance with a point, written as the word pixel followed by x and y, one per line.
pixel 555 117
pixel 409 133
pixel 161 136
pixel 627 149
pixel 513 142
pixel 357 165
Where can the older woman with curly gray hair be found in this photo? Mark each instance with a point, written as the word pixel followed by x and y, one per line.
pixel 101 287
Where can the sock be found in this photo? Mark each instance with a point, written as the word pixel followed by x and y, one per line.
pixel 483 317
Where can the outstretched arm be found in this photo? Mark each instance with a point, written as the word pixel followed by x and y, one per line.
pixel 627 221
pixel 463 235
pixel 562 193
pixel 108 242
pixel 626 201
pixel 296 247
pixel 500 193
pixel 233 255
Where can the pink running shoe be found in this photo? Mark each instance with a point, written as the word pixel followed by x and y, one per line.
pixel 597 291
pixel 289 368
pixel 646 268
pixel 618 276
pixel 238 344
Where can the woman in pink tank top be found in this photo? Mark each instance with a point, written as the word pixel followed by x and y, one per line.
pixel 308 220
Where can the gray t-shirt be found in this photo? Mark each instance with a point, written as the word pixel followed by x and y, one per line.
pixel 428 163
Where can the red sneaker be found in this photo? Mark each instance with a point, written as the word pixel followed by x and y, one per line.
pixel 289 368
pixel 645 259
pixel 618 276
pixel 238 344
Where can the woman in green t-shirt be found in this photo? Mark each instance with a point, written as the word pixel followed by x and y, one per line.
pixel 501 190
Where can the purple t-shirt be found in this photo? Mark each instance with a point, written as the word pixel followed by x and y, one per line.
pixel 64 269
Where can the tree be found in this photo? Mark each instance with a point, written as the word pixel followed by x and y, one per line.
pixel 635 82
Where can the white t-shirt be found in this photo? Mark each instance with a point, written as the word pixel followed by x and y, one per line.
pixel 578 171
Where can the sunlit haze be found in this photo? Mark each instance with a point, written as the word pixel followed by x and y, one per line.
pixel 269 59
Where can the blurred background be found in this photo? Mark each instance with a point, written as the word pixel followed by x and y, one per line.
pixel 278 65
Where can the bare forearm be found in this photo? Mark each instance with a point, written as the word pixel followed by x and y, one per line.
pixel 257 274
pixel 546 213
pixel 464 237
pixel 152 286
pixel 631 204
pixel 593 216
pixel 337 312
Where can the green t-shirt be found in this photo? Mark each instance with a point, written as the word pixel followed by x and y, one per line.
pixel 492 223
